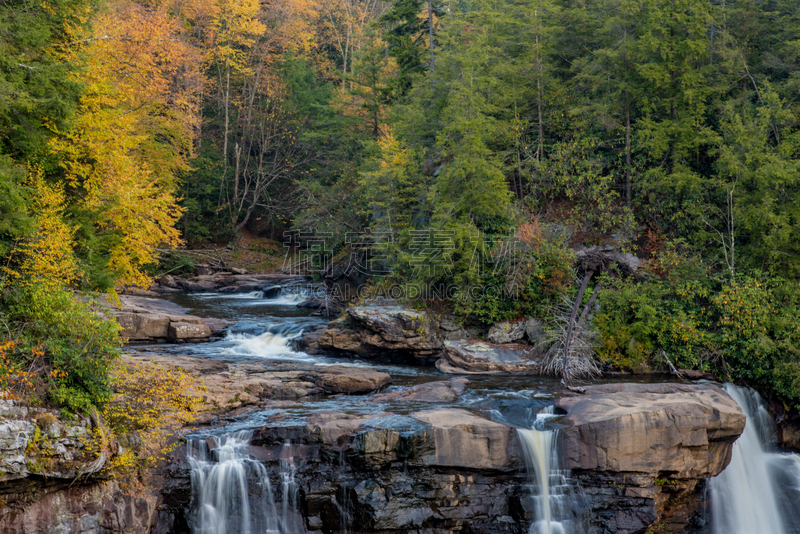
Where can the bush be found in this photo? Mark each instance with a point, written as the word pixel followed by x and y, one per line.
pixel 150 402
pixel 747 331
pixel 60 350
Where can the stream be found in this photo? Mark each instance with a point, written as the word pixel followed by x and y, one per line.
pixel 759 493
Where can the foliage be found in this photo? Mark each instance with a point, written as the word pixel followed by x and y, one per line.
pixel 747 330
pixel 150 403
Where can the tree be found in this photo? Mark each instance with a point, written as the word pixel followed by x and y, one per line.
pixel 412 30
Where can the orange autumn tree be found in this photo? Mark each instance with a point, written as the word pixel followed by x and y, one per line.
pixel 133 133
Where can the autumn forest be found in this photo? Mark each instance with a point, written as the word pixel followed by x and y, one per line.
pixel 524 131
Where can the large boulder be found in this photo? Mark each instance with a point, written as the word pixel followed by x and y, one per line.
pixel 506 332
pixel 386 332
pixel 640 451
pixel 675 430
pixel 439 391
pixel 478 357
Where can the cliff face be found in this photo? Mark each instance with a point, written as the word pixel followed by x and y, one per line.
pixel 52 476
pixel 639 453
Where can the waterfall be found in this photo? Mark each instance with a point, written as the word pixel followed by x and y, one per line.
pixel 232 492
pixel 555 502
pixel 759 492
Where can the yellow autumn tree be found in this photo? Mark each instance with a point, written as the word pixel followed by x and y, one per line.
pixel 133 134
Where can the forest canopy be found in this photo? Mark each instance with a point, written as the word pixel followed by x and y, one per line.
pixel 518 132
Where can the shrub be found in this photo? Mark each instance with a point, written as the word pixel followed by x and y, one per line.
pixel 61 350
pixel 747 331
pixel 150 401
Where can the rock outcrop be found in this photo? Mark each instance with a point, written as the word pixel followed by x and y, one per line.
pixel 229 282
pixel 39 443
pixel 390 333
pixel 439 470
pixel 641 449
pixel 439 391
pixel 478 357
pixel 52 476
pixel 506 332
pixel 147 320
pixel 229 386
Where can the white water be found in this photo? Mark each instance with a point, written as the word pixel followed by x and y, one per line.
pixel 759 492
pixel 554 502
pixel 232 492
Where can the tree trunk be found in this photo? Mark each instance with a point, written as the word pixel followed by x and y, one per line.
pixel 628 188
pixel 539 106
pixel 227 100
pixel 571 326
pixel 430 30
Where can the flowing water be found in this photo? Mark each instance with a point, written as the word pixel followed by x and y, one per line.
pixel 759 492
pixel 556 501
pixel 235 493
pixel 232 491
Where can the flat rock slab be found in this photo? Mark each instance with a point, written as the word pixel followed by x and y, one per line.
pixel 675 430
pixel 478 357
pixel 344 379
pixel 439 391
pixel 145 319
pixel 229 386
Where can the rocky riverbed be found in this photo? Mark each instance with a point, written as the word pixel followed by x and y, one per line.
pixel 364 443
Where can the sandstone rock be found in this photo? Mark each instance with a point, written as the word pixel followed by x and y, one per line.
pixel 477 357
pixel 168 281
pixel 440 391
pixel 389 332
pixel 198 287
pixel 675 430
pixel 308 342
pixel 141 326
pixel 332 428
pixel 506 332
pixel 639 451
pixel 534 330
pixel 148 319
pixel 466 440
pixel 342 379
pixel 188 331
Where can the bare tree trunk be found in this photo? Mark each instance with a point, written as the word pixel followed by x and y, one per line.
pixel 227 98
pixel 571 326
pixel 430 30
pixel 235 212
pixel 539 93
pixel 628 188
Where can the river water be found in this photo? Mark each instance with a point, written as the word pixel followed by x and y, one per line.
pixel 759 493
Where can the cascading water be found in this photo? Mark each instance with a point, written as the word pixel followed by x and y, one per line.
pixel 232 493
pixel 555 502
pixel 759 492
